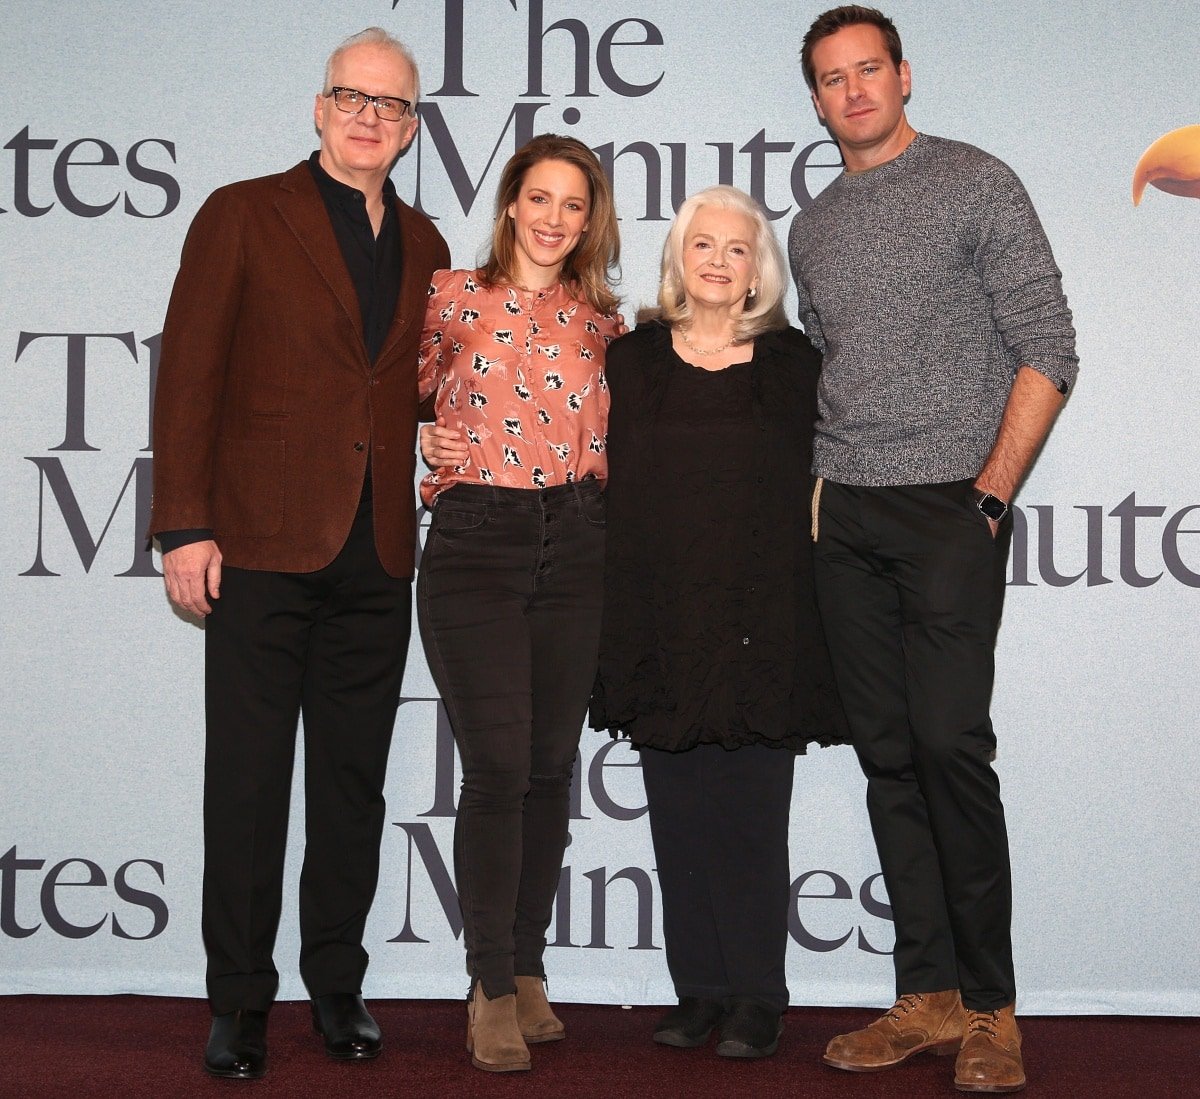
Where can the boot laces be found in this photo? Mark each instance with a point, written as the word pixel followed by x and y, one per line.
pixel 907 1003
pixel 983 1022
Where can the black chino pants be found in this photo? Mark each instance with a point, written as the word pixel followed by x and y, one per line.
pixel 910 584
pixel 331 644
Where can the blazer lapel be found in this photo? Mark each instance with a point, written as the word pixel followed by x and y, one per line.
pixel 414 291
pixel 300 205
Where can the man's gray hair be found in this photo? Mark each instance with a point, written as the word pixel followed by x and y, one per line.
pixel 375 36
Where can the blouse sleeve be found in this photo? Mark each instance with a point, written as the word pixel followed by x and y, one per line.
pixel 431 356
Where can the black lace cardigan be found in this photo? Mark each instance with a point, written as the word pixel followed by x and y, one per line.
pixel 778 691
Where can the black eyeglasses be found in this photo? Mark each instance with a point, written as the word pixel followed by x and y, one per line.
pixel 388 107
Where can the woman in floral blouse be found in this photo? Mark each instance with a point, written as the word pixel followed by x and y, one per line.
pixel 509 590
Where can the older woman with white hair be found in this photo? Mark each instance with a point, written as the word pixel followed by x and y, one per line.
pixel 712 659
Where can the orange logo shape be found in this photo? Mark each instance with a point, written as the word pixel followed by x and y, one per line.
pixel 1171 164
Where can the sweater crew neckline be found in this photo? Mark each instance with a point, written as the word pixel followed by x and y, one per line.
pixel 917 143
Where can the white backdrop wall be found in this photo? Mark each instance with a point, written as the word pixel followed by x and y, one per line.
pixel 117 119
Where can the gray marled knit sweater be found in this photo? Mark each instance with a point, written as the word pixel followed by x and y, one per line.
pixel 925 283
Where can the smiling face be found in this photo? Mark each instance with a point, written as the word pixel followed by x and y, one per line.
pixel 359 149
pixel 719 259
pixel 859 94
pixel 550 216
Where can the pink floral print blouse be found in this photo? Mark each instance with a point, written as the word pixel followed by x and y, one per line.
pixel 521 375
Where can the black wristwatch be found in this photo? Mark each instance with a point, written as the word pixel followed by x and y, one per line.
pixel 991 506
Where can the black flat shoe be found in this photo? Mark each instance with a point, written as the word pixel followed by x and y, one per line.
pixel 689 1024
pixel 749 1030
pixel 237 1046
pixel 350 1033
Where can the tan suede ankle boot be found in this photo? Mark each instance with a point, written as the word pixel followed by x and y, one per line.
pixel 918 1021
pixel 535 1016
pixel 990 1059
pixel 493 1038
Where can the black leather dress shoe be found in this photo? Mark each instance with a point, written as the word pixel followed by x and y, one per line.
pixel 690 1023
pixel 349 1031
pixel 749 1030
pixel 237 1045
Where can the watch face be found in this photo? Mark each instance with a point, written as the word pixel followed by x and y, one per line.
pixel 993 507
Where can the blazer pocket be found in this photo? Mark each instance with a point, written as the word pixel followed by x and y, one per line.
pixel 248 487
pixel 271 416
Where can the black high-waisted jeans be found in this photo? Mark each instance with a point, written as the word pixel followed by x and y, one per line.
pixel 508 601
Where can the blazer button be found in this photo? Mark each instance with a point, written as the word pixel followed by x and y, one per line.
pixel 359 447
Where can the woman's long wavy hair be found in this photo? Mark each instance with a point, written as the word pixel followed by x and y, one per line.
pixel 588 269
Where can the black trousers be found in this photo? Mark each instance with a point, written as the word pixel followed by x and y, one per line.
pixel 508 601
pixel 910 585
pixel 330 644
pixel 719 824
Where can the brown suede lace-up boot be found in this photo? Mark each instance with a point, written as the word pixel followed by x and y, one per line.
pixel 990 1058
pixel 918 1021
pixel 535 1016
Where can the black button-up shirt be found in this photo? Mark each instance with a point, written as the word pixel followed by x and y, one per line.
pixel 373 261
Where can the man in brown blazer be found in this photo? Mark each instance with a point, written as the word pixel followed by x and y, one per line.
pixel 284 427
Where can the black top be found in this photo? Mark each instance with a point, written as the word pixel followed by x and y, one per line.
pixel 711 632
pixel 373 261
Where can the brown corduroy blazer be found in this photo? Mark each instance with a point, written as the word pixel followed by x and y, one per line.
pixel 266 402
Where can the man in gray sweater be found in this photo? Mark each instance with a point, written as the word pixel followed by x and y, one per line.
pixel 926 281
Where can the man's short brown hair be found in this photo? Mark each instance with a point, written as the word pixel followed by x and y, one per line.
pixel 849 15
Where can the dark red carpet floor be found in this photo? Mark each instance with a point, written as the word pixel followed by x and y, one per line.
pixel 140 1047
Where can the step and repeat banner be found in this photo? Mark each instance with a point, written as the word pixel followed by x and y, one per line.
pixel 118 119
